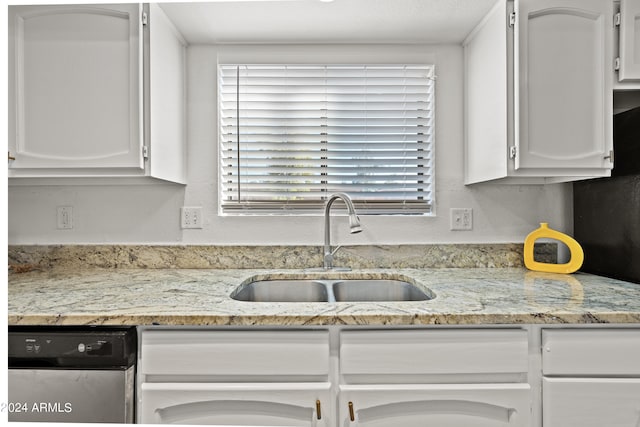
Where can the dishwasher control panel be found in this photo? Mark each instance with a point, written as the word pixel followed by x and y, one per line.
pixel 62 347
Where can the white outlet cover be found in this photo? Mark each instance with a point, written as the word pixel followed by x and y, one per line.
pixel 191 217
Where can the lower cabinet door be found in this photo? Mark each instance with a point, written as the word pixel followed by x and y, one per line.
pixel 442 405
pixel 591 402
pixel 238 404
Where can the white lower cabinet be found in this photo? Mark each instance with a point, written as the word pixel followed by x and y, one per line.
pixel 591 402
pixel 442 405
pixel 340 376
pixel 591 377
pixel 445 378
pixel 251 404
pixel 234 377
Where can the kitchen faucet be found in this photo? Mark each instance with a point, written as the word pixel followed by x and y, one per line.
pixel 354 225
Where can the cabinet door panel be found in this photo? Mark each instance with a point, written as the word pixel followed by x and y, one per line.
pixel 591 402
pixel 486 97
pixel 629 40
pixel 167 93
pixel 77 86
pixel 235 404
pixel 443 405
pixel 565 91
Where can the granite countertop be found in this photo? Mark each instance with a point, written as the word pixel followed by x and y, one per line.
pixel 201 297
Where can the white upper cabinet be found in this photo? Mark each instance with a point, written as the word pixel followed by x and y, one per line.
pixel 566 100
pixel 629 40
pixel 78 79
pixel 541 109
pixel 489 96
pixel 165 112
pixel 77 94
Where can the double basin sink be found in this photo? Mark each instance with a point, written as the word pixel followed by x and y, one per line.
pixel 330 290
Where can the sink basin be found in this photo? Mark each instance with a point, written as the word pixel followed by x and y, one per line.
pixel 377 290
pixel 329 290
pixel 282 291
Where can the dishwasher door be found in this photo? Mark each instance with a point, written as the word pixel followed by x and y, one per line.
pixel 71 395
pixel 71 374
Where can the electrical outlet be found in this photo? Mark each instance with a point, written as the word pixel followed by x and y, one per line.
pixel 191 217
pixel 65 217
pixel 461 219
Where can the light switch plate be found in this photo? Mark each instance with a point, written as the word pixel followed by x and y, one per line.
pixel 461 219
pixel 64 219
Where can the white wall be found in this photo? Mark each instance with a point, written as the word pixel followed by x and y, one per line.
pixel 149 213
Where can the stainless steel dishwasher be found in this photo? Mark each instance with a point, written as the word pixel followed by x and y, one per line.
pixel 71 374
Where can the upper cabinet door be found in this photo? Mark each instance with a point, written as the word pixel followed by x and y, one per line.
pixel 629 40
pixel 566 105
pixel 75 85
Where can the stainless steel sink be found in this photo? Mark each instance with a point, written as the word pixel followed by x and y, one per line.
pixel 282 291
pixel 330 290
pixel 377 290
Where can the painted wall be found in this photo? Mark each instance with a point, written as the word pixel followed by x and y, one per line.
pixel 148 212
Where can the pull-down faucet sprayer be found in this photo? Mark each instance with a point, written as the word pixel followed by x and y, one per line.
pixel 354 225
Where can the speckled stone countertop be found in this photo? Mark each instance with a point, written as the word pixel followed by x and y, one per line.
pixel 202 297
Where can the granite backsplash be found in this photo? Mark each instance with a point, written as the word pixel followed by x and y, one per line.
pixel 40 257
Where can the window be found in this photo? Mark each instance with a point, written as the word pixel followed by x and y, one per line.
pixel 291 135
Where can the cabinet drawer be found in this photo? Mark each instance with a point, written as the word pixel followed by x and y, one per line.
pixel 420 352
pixel 591 352
pixel 234 353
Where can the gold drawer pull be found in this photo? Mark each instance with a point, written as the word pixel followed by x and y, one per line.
pixel 318 410
pixel 10 156
pixel 351 414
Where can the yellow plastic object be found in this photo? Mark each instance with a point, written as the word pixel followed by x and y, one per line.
pixel 577 255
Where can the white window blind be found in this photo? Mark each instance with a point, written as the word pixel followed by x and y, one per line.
pixel 292 135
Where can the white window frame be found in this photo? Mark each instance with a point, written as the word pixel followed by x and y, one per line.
pixel 297 207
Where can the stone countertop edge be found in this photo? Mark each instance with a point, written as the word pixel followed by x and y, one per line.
pixel 201 297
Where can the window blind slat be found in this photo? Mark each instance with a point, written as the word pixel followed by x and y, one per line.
pixel 336 171
pixel 319 123
pixel 317 194
pixel 246 106
pixel 305 207
pixel 290 135
pixel 386 138
pixel 320 97
pixel 318 162
pixel 294 146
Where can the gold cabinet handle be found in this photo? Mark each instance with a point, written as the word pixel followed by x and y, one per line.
pixel 318 410
pixel 10 156
pixel 352 417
